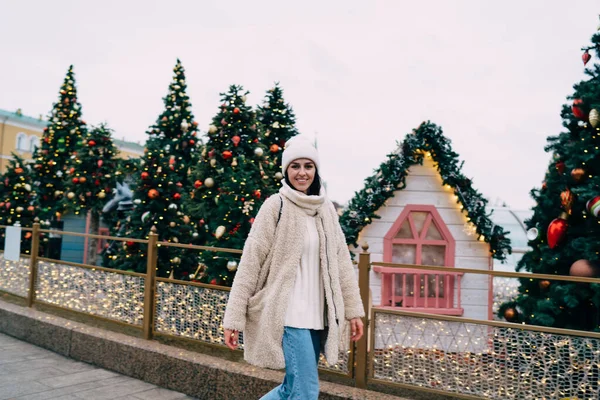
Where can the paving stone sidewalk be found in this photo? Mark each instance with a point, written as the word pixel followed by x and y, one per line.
pixel 28 372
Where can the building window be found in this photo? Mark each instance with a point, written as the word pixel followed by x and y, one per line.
pixel 22 143
pixel 34 143
pixel 420 237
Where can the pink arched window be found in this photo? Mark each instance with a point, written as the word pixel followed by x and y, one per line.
pixel 420 237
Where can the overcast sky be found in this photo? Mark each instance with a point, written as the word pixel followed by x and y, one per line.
pixel 359 74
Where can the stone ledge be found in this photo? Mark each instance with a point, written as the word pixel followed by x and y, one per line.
pixel 195 374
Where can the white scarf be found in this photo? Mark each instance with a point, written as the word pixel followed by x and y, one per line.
pixel 310 204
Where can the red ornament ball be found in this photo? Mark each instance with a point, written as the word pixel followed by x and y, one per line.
pixel 192 142
pixel 510 314
pixel 213 281
pixel 236 110
pixel 274 148
pixel 227 154
pixel 145 175
pixel 130 243
pixel 91 143
pixel 585 57
pixel 83 179
pixel 75 180
pixel 257 194
pixel 176 196
pixel 100 163
pixel 560 167
pixel 153 193
pixel 577 109
pixel 557 231
pixel 236 140
pixel 198 183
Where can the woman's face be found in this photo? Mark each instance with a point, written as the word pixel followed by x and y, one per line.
pixel 301 173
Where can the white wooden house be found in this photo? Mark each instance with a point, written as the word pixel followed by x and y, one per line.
pixel 419 209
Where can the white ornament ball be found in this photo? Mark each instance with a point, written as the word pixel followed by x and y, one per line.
pixel 209 182
pixel 232 266
pixel 212 129
pixel 28 187
pixel 195 235
pixel 259 151
pixel 70 195
pixel 172 207
pixel 220 231
pixel 213 162
pixel 137 201
pixel 184 125
pixel 532 234
pixel 594 117
pixel 279 176
pixel 172 224
pixel 176 260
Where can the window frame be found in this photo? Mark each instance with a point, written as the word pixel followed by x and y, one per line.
pixel 390 274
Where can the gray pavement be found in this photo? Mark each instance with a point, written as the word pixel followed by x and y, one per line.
pixel 28 372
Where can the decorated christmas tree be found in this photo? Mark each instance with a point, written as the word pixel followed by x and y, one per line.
pixel 277 124
pixel 53 158
pixel 15 202
pixel 564 231
pixel 90 179
pixel 228 185
pixel 158 189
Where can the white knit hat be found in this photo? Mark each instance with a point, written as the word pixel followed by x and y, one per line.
pixel 298 147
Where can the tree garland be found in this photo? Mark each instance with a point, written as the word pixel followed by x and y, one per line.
pixel 391 176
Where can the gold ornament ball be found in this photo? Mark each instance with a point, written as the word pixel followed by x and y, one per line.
pixel 220 231
pixel 259 152
pixel 594 117
pixel 176 260
pixel 70 195
pixel 212 129
pixel 19 209
pixel 172 224
pixel 209 182
pixel 186 219
pixel 232 266
pixel 578 174
pixel 213 162
pixel 510 314
pixel 584 268
pixel 101 195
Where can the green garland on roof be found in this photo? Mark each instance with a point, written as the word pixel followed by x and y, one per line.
pixel 391 176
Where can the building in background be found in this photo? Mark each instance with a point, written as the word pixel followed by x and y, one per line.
pixel 21 134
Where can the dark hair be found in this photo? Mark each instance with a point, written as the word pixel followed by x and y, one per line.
pixel 314 189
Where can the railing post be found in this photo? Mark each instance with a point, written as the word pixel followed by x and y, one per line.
pixel 149 284
pixel 364 267
pixel 35 246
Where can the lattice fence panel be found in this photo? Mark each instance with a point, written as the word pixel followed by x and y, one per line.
pixel 14 276
pixel 489 362
pixel 191 311
pixel 105 294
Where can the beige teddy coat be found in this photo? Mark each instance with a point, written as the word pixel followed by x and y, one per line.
pixel 263 283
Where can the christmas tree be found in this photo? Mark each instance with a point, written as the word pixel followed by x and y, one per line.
pixel 15 203
pixel 53 158
pixel 90 179
pixel 277 124
pixel 564 231
pixel 228 185
pixel 169 153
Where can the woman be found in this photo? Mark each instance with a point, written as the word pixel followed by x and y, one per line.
pixel 295 287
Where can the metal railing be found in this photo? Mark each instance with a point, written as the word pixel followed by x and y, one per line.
pixel 468 358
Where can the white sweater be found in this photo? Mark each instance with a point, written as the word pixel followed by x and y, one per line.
pixel 307 300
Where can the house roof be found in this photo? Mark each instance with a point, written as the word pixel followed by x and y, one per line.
pixel 42 123
pixel 391 177
pixel 19 117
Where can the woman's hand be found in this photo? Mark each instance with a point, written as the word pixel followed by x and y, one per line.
pixel 356 327
pixel 232 338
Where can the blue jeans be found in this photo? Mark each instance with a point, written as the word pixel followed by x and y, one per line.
pixel 301 349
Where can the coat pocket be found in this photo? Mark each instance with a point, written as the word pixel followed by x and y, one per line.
pixel 256 302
